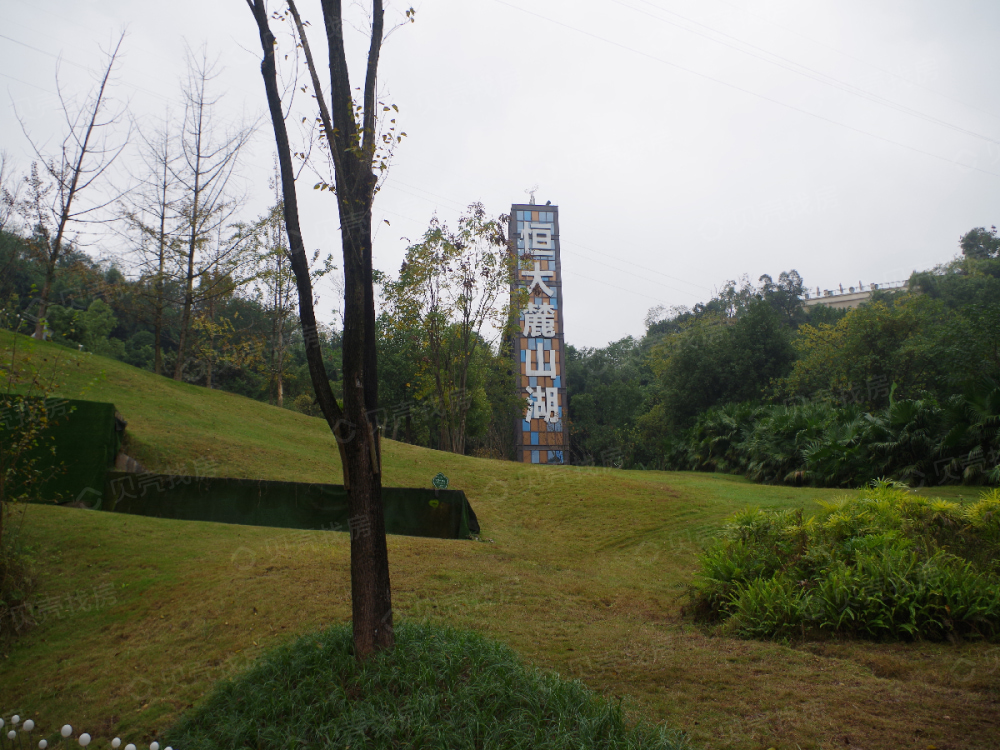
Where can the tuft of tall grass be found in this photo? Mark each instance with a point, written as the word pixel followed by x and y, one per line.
pixel 883 564
pixel 17 579
pixel 438 688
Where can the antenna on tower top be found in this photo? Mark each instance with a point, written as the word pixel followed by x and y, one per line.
pixel 531 192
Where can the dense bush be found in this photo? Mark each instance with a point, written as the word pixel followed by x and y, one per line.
pixel 882 564
pixel 438 688
pixel 825 444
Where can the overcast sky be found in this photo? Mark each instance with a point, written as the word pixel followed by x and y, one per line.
pixel 685 143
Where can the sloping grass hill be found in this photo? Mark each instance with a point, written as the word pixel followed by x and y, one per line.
pixel 580 570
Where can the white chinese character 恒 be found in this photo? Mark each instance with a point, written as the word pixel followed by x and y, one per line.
pixel 538 239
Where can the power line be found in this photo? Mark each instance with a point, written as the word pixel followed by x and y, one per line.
pixel 858 59
pixel 53 93
pixel 436 195
pixel 568 242
pixel 740 88
pixel 604 282
pixel 78 65
pixel 644 268
pixel 42 51
pixel 805 71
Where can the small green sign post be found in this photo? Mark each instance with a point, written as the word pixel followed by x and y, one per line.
pixel 440 482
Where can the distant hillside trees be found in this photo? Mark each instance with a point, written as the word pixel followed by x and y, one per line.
pixel 907 385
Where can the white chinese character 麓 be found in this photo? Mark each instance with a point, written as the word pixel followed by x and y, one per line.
pixel 540 320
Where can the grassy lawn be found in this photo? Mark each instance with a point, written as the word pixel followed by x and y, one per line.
pixel 580 570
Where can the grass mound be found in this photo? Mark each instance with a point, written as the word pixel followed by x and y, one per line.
pixel 884 564
pixel 439 688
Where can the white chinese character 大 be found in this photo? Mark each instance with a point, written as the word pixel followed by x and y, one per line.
pixel 544 403
pixel 540 320
pixel 537 278
pixel 538 239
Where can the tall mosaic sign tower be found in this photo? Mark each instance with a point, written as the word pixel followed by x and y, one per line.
pixel 539 349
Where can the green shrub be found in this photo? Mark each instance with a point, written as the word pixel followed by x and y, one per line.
pixel 768 607
pixel 438 688
pixel 884 564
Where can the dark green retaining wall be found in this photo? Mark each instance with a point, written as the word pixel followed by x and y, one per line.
pixel 445 514
pixel 88 437
pixel 86 442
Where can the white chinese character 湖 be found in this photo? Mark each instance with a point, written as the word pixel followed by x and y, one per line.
pixel 544 403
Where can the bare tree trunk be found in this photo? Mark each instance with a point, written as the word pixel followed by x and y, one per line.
pixel 43 297
pixel 281 367
pixel 186 312
pixel 151 212
pixel 211 344
pixel 161 258
pixel 208 164
pixel 158 320
pixel 371 601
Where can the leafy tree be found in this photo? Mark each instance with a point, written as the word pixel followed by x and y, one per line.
pixel 97 322
pixel 785 296
pixel 139 350
pixel 449 289
pixel 607 390
pixel 715 359
pixel 497 405
pixel 400 355
pixel 980 244
pixel 878 344
pixel 824 314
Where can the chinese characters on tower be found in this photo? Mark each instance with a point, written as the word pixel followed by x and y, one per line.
pixel 542 437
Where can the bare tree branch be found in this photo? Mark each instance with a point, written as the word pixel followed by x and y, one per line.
pixel 81 161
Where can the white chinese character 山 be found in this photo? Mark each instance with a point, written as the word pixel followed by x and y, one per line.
pixel 537 278
pixel 538 239
pixel 540 320
pixel 544 366
pixel 544 403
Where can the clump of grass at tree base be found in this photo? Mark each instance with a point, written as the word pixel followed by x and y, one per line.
pixel 883 564
pixel 439 687
pixel 17 577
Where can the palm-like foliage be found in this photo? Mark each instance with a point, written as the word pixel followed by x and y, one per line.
pixel 972 432
pixel 821 444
